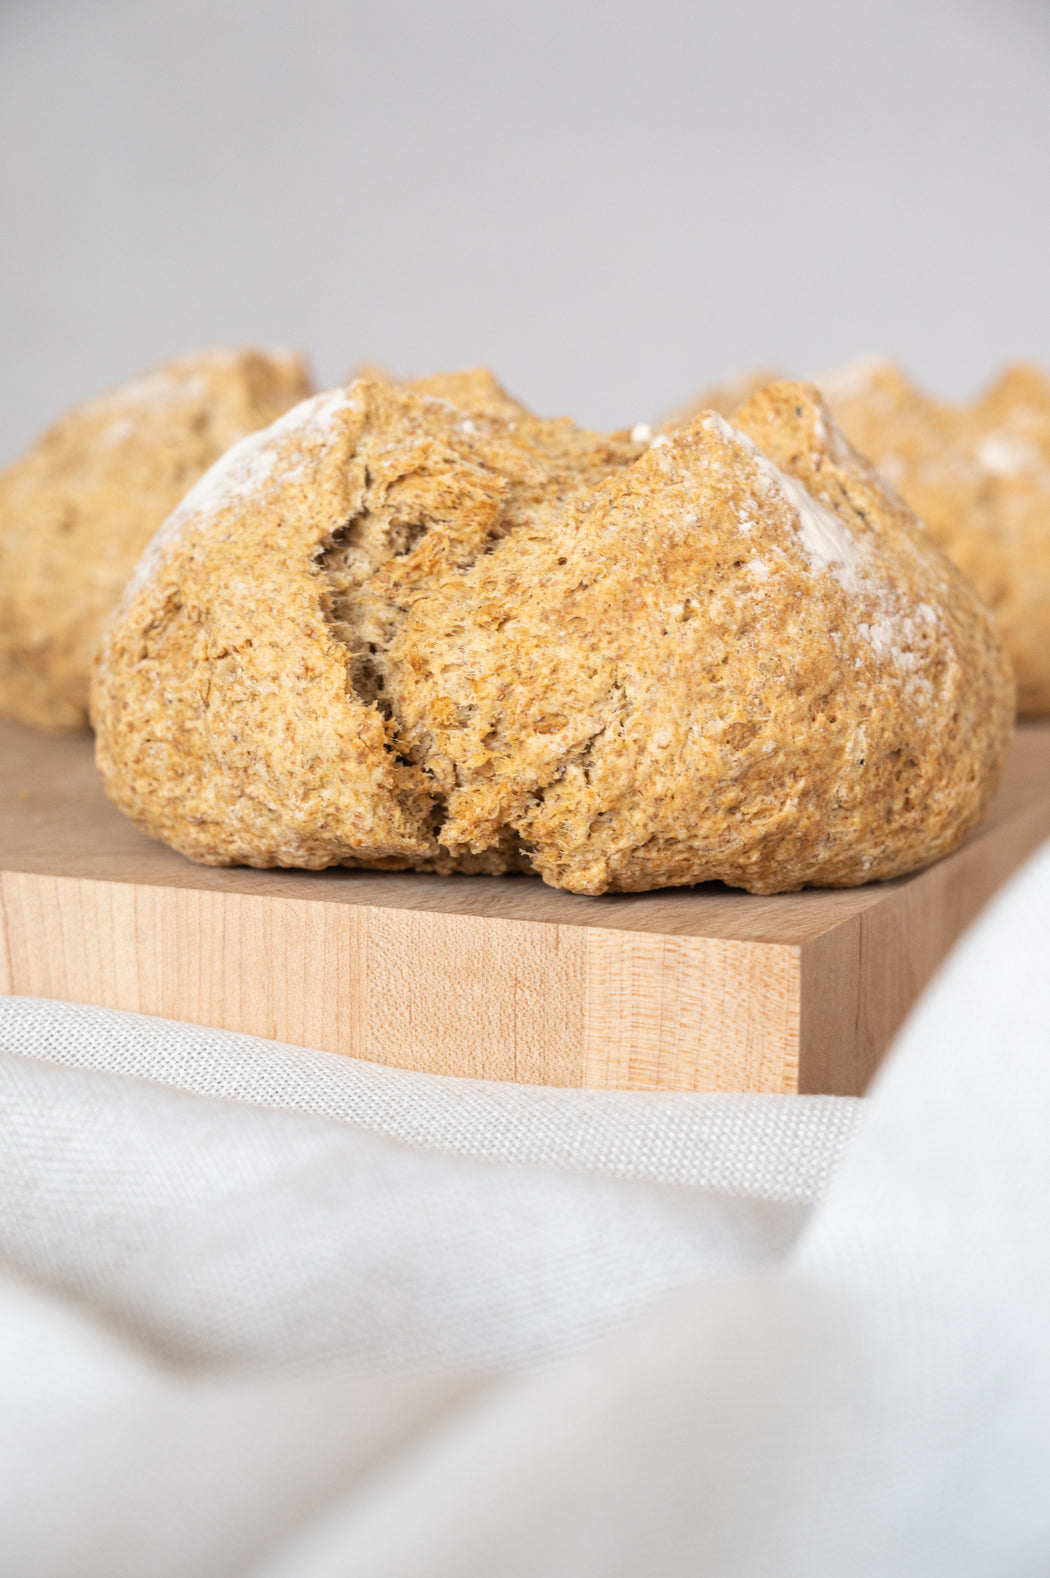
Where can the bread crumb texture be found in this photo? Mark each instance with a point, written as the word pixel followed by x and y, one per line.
pixel 428 632
pixel 978 476
pixel 77 510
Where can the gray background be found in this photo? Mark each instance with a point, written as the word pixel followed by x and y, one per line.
pixel 611 204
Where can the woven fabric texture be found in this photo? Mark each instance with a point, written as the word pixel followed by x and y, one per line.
pixel 267 1313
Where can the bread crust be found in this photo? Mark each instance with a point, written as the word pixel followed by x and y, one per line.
pixel 978 476
pixel 77 510
pixel 385 633
pixel 239 695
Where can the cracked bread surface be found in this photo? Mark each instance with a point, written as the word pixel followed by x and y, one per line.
pixel 391 633
pixel 474 390
pixel 978 476
pixel 78 509
pixel 239 696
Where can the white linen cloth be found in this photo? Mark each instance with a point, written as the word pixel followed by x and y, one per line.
pixel 268 1313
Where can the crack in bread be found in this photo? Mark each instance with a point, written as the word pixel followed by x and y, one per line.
pixel 393 631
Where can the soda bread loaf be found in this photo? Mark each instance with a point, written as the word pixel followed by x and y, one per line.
pixel 386 632
pixel 979 477
pixel 77 510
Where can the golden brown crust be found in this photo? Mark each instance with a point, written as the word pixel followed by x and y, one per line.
pixel 77 510
pixel 387 633
pixel 979 477
pixel 703 672
pixel 239 708
pixel 474 390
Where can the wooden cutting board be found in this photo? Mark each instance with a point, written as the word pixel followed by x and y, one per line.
pixel 495 978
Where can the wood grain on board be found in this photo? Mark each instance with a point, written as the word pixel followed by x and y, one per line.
pixel 490 977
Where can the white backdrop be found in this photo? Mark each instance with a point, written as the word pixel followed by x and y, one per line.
pixel 610 202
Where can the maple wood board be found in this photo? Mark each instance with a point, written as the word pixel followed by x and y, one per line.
pixel 492 977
